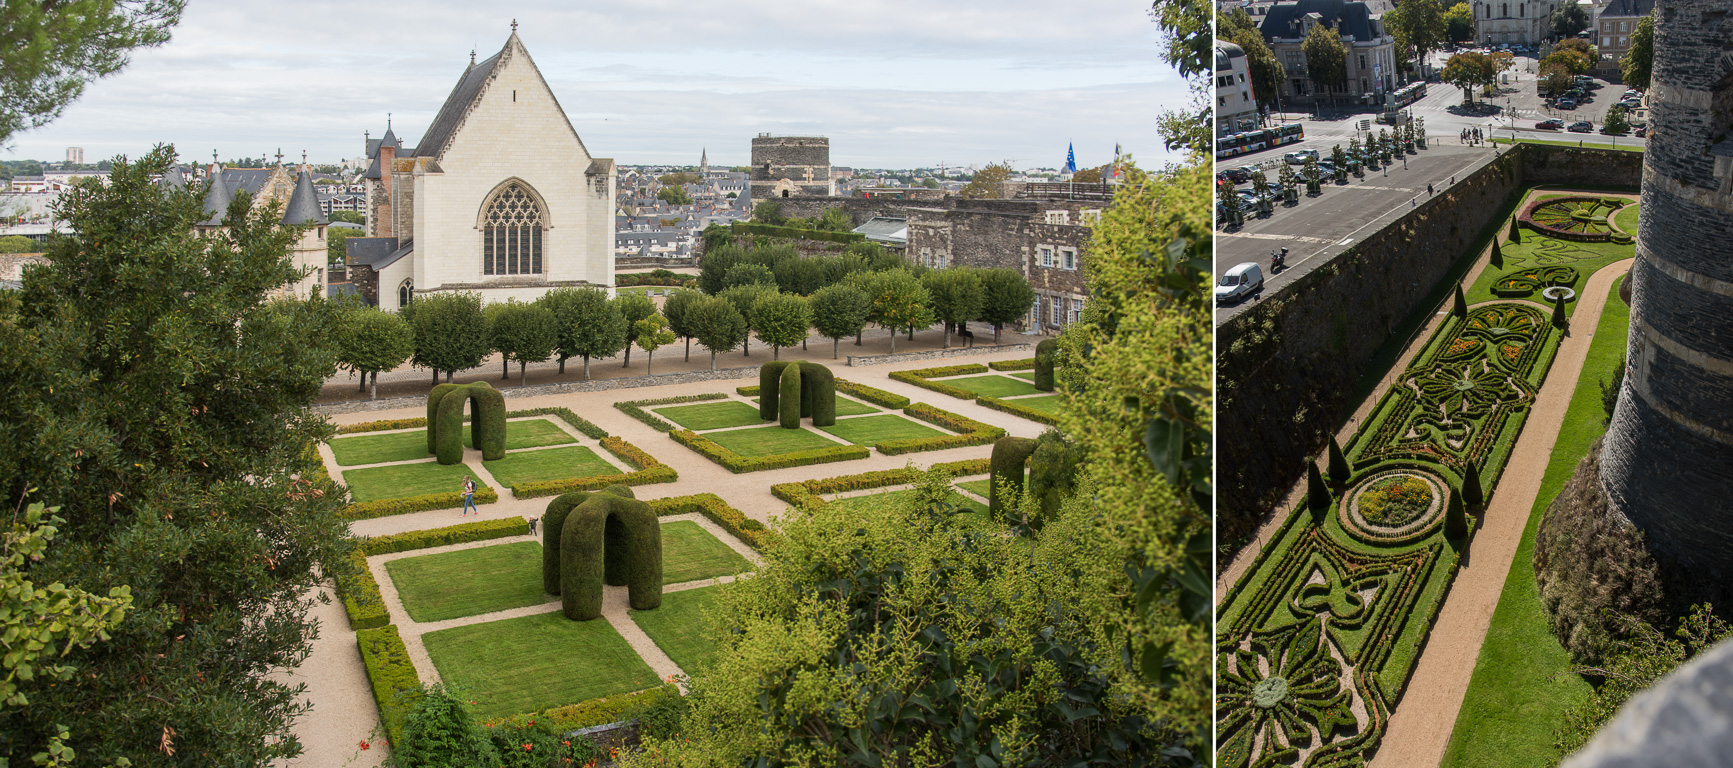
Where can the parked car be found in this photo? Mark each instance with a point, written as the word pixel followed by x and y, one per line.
pixel 1631 103
pixel 1326 167
pixel 1581 126
pixel 1241 280
pixel 1237 175
pixel 1567 103
pixel 1300 157
pixel 1554 124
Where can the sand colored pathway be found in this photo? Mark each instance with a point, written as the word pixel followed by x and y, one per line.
pixel 1420 727
pixel 344 713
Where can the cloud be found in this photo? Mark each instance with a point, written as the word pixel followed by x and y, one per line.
pixel 894 83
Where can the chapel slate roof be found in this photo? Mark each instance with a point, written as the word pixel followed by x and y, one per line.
pixel 1351 18
pixel 217 200
pixel 369 251
pixel 1627 8
pixel 444 125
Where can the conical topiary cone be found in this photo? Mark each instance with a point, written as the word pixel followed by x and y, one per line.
pixel 1455 521
pixel 1461 307
pixel 1497 256
pixel 1558 313
pixel 1339 471
pixel 1515 232
pixel 1317 494
pixel 1472 495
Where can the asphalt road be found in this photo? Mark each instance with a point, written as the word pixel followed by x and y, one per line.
pixel 1322 226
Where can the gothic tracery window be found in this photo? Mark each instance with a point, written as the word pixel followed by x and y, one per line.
pixel 512 233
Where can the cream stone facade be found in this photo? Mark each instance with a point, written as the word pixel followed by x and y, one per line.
pixel 501 197
pixel 292 193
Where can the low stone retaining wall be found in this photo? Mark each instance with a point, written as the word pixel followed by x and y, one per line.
pixel 595 385
pixel 935 354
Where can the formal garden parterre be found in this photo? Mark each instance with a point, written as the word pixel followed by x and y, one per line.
pixel 1317 641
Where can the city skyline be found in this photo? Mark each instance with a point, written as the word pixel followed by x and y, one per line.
pixel 976 82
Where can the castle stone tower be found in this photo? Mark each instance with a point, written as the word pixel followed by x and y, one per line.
pixel 1667 462
pixel 790 166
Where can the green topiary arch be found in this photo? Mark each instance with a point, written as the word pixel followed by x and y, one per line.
pixel 445 421
pixel 1045 352
pixel 810 388
pixel 607 537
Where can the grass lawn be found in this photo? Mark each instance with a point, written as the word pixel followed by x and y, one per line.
pixel 404 480
pixel 690 553
pixel 1585 142
pixel 964 504
pixel 678 627
pixel 717 415
pixel 1024 375
pixel 1513 703
pixel 872 430
pixel 994 385
pixel 378 449
pixel 767 441
pixel 551 464
pixel 847 407
pixel 1626 218
pixel 1044 403
pixel 983 487
pixel 1539 250
pixel 469 582
pixel 531 433
pixel 535 662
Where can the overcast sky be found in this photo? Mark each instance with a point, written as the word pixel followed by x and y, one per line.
pixel 893 83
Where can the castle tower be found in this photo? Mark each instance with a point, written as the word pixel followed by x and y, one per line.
pixel 1667 461
pixel 790 166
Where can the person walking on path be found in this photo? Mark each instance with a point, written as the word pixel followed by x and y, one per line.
pixel 468 496
pixel 533 525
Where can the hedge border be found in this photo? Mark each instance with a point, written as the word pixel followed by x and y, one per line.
pixel 971 432
pixel 1018 409
pixel 796 233
pixel 649 471
pixel 920 377
pixel 749 531
pixel 635 409
pixel 751 391
pixel 605 710
pixel 872 395
pixel 390 673
pixel 738 464
pixel 366 510
pixel 362 601
pixel 480 530
pixel 577 422
pixel 1026 364
pixel 803 492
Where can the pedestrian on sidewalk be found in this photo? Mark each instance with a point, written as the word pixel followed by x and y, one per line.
pixel 468 496
pixel 1411 201
pixel 1428 189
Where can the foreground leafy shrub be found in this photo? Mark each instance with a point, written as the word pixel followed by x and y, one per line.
pixel 440 733
pixel 386 507
pixel 481 530
pixel 396 686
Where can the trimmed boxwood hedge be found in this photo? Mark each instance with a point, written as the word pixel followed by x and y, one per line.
pixel 872 395
pixel 649 472
pixel 770 388
pixel 609 539
pixel 360 594
pixel 736 523
pixel 973 432
pixel 387 507
pixel 797 233
pixel 808 491
pixel 946 370
pixel 920 378
pixel 582 425
pixel 1045 354
pixel 1026 364
pixel 381 425
pixel 445 413
pixel 396 686
pixel 586 714
pixel 818 394
pixel 747 391
pixel 1017 409
pixel 1010 455
pixel 787 402
pixel 738 464
pixel 553 527
pixel 635 409
pixel 480 530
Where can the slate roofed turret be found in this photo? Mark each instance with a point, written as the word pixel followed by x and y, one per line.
pixel 217 198
pixel 303 207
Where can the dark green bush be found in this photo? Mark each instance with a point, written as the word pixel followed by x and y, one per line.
pixel 788 397
pixel 446 426
pixel 396 686
pixel 609 535
pixel 481 530
pixel 1045 354
pixel 434 396
pixel 1472 494
pixel 438 732
pixel 360 594
pixel 1317 493
pixel 769 387
pixel 1455 521
pixel 1009 456
pixel 1339 471
pixel 553 526
pixel 818 394
pixel 1052 474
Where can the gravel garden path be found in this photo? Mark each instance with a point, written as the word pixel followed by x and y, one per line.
pixel 344 713
pixel 1420 726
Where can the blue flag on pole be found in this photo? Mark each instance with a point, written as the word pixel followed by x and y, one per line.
pixel 1070 159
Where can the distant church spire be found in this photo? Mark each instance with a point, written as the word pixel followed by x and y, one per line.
pixel 704 161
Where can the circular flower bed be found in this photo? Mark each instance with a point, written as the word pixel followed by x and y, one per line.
pixel 1559 293
pixel 1579 218
pixel 1396 506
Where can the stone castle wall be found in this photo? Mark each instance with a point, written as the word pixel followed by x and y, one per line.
pixel 1288 369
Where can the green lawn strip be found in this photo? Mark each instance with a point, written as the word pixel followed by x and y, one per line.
pixel 469 582
pixel 982 488
pixel 378 449
pixel 678 627
pixel 1514 701
pixel 1042 403
pixel 522 467
pixel 1536 251
pixel 767 441
pixel 529 433
pixel 718 415
pixel 690 553
pixel 1024 375
pixel 1626 218
pixel 872 430
pixel 404 480
pixel 535 662
pixel 964 503
pixel 993 385
pixel 847 407
pixel 1586 144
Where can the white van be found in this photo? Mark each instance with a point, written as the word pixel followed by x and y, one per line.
pixel 1241 280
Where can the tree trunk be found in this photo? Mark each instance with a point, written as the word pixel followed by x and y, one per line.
pixel 505 367
pixel 746 344
pixel 521 376
pixel 996 328
pixel 628 362
pixel 688 349
pixel 436 377
pixel 375 395
pixel 911 332
pixel 947 335
pixel 448 376
pixel 893 341
pixel 562 364
pixel 836 349
pixel 649 358
pixel 775 352
pixel 586 367
pixel 363 387
pixel 857 336
pixel 712 359
pixel 803 344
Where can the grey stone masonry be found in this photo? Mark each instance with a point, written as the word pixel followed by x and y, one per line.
pixel 1667 465
pixel 938 354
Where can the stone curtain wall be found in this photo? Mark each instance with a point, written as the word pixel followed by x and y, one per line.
pixel 859 209
pixel 1287 369
pixel 939 354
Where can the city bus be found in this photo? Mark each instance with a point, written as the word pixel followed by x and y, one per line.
pixel 1252 141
